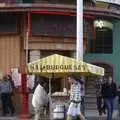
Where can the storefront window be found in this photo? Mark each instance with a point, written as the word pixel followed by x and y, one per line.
pixel 87 33
pixel 8 23
pixel 53 25
pixel 104 37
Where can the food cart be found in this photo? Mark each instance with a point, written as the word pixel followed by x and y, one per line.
pixel 56 66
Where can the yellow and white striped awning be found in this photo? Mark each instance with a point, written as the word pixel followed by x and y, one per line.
pixel 61 65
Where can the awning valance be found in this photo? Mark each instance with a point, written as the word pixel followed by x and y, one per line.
pixel 60 65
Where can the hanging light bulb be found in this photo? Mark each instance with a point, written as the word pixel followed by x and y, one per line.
pixel 99 23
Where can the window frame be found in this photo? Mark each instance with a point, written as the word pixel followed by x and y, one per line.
pixel 17 27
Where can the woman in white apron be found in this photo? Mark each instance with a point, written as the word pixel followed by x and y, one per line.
pixel 39 101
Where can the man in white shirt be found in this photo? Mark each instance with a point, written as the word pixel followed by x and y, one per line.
pixel 75 99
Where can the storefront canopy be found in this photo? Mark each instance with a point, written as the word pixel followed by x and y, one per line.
pixel 61 65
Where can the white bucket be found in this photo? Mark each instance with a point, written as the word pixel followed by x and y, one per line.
pixel 58 112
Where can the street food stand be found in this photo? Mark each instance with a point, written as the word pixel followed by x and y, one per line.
pixel 56 66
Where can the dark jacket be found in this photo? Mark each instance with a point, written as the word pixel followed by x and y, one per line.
pixel 118 94
pixel 12 84
pixel 109 90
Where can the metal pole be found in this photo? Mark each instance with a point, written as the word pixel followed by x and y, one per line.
pixel 27 36
pixel 24 79
pixel 50 102
pixel 79 42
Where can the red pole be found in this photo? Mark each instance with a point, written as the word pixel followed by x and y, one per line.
pixel 24 90
pixel 24 97
pixel 54 13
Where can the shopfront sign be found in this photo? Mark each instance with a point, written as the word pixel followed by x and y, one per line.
pixel 57 68
pixel 30 81
pixel 16 77
pixel 110 1
pixel 58 64
pixel 34 55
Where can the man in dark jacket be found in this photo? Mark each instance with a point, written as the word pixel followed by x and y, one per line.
pixel 6 91
pixel 109 90
pixel 118 94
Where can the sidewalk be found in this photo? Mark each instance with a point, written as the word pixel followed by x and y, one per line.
pixel 89 118
pixel 91 115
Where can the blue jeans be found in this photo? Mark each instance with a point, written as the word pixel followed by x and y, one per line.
pixel 110 106
pixel 119 109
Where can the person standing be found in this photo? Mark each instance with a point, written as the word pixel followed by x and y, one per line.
pixel 6 90
pixel 39 100
pixel 75 99
pixel 109 91
pixel 82 82
pixel 118 94
pixel 99 95
pixel 12 108
pixel 103 109
pixel 12 84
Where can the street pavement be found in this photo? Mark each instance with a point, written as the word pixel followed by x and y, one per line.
pixel 88 118
pixel 17 118
pixel 90 115
pixel 93 115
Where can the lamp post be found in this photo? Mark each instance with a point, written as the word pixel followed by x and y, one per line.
pixel 79 41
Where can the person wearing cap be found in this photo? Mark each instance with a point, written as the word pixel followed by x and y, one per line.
pixel 75 99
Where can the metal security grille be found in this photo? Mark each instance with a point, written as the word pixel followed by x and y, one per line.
pixel 104 40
